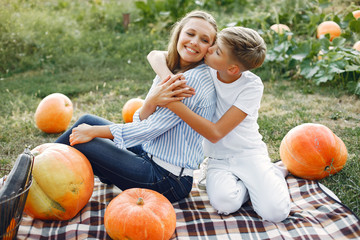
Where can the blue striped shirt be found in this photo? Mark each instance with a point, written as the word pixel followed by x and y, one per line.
pixel 164 134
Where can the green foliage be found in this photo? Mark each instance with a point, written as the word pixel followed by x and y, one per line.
pixel 161 14
pixel 320 60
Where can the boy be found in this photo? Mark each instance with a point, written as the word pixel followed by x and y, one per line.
pixel 238 163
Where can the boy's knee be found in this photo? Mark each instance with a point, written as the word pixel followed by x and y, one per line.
pixel 227 201
pixel 275 211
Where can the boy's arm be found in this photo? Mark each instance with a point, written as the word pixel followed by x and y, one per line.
pixel 157 60
pixel 211 131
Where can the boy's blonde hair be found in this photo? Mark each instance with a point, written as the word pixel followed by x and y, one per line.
pixel 173 58
pixel 244 45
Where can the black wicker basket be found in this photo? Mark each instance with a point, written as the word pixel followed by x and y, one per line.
pixel 12 207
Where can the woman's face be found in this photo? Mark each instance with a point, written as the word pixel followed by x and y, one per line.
pixel 195 38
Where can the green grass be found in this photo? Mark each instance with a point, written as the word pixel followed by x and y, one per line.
pixel 80 48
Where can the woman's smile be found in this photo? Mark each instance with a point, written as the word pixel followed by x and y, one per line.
pixel 195 38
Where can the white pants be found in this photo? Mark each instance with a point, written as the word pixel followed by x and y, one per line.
pixel 230 183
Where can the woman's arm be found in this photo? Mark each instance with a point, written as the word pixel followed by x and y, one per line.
pixel 169 89
pixel 85 133
pixel 211 131
pixel 157 60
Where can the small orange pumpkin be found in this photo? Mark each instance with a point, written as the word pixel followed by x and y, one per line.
pixel 54 113
pixel 356 14
pixel 357 46
pixel 62 182
pixel 328 27
pixel 280 29
pixel 130 108
pixel 139 213
pixel 312 151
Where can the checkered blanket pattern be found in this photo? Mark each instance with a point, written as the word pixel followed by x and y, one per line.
pixel 314 215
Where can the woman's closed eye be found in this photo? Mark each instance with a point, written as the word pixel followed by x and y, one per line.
pixel 205 40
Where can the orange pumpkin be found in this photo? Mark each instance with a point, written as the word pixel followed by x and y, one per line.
pixel 280 29
pixel 54 113
pixel 312 151
pixel 356 14
pixel 138 213
pixel 130 108
pixel 328 27
pixel 357 46
pixel 62 185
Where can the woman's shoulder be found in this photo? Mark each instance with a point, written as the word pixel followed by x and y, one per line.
pixel 200 71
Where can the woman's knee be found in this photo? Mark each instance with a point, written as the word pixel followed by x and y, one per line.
pixel 86 118
pixel 93 120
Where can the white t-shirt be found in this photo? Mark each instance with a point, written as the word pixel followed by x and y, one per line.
pixel 245 93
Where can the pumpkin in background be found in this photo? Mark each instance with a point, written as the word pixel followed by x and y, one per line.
pixel 312 151
pixel 356 14
pixel 280 29
pixel 54 113
pixel 357 46
pixel 62 185
pixel 328 27
pixel 139 213
pixel 130 108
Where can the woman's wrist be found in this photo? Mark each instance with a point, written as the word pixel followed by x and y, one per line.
pixel 100 131
pixel 147 109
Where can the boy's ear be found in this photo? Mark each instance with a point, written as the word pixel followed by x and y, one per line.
pixel 233 69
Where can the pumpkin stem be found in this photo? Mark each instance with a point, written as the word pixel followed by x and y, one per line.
pixel 140 201
pixel 331 166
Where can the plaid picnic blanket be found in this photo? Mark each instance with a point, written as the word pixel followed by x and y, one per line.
pixel 314 215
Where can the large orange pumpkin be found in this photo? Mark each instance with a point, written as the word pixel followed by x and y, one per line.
pixel 62 185
pixel 139 213
pixel 328 27
pixel 54 113
pixel 312 151
pixel 130 107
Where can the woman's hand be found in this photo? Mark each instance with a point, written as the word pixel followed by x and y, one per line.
pixel 171 89
pixel 81 134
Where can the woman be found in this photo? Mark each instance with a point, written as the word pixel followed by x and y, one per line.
pixel 160 152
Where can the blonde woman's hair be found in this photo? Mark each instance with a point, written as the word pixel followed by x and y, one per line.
pixel 173 57
pixel 245 46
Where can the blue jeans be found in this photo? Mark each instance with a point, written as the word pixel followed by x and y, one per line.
pixel 128 168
